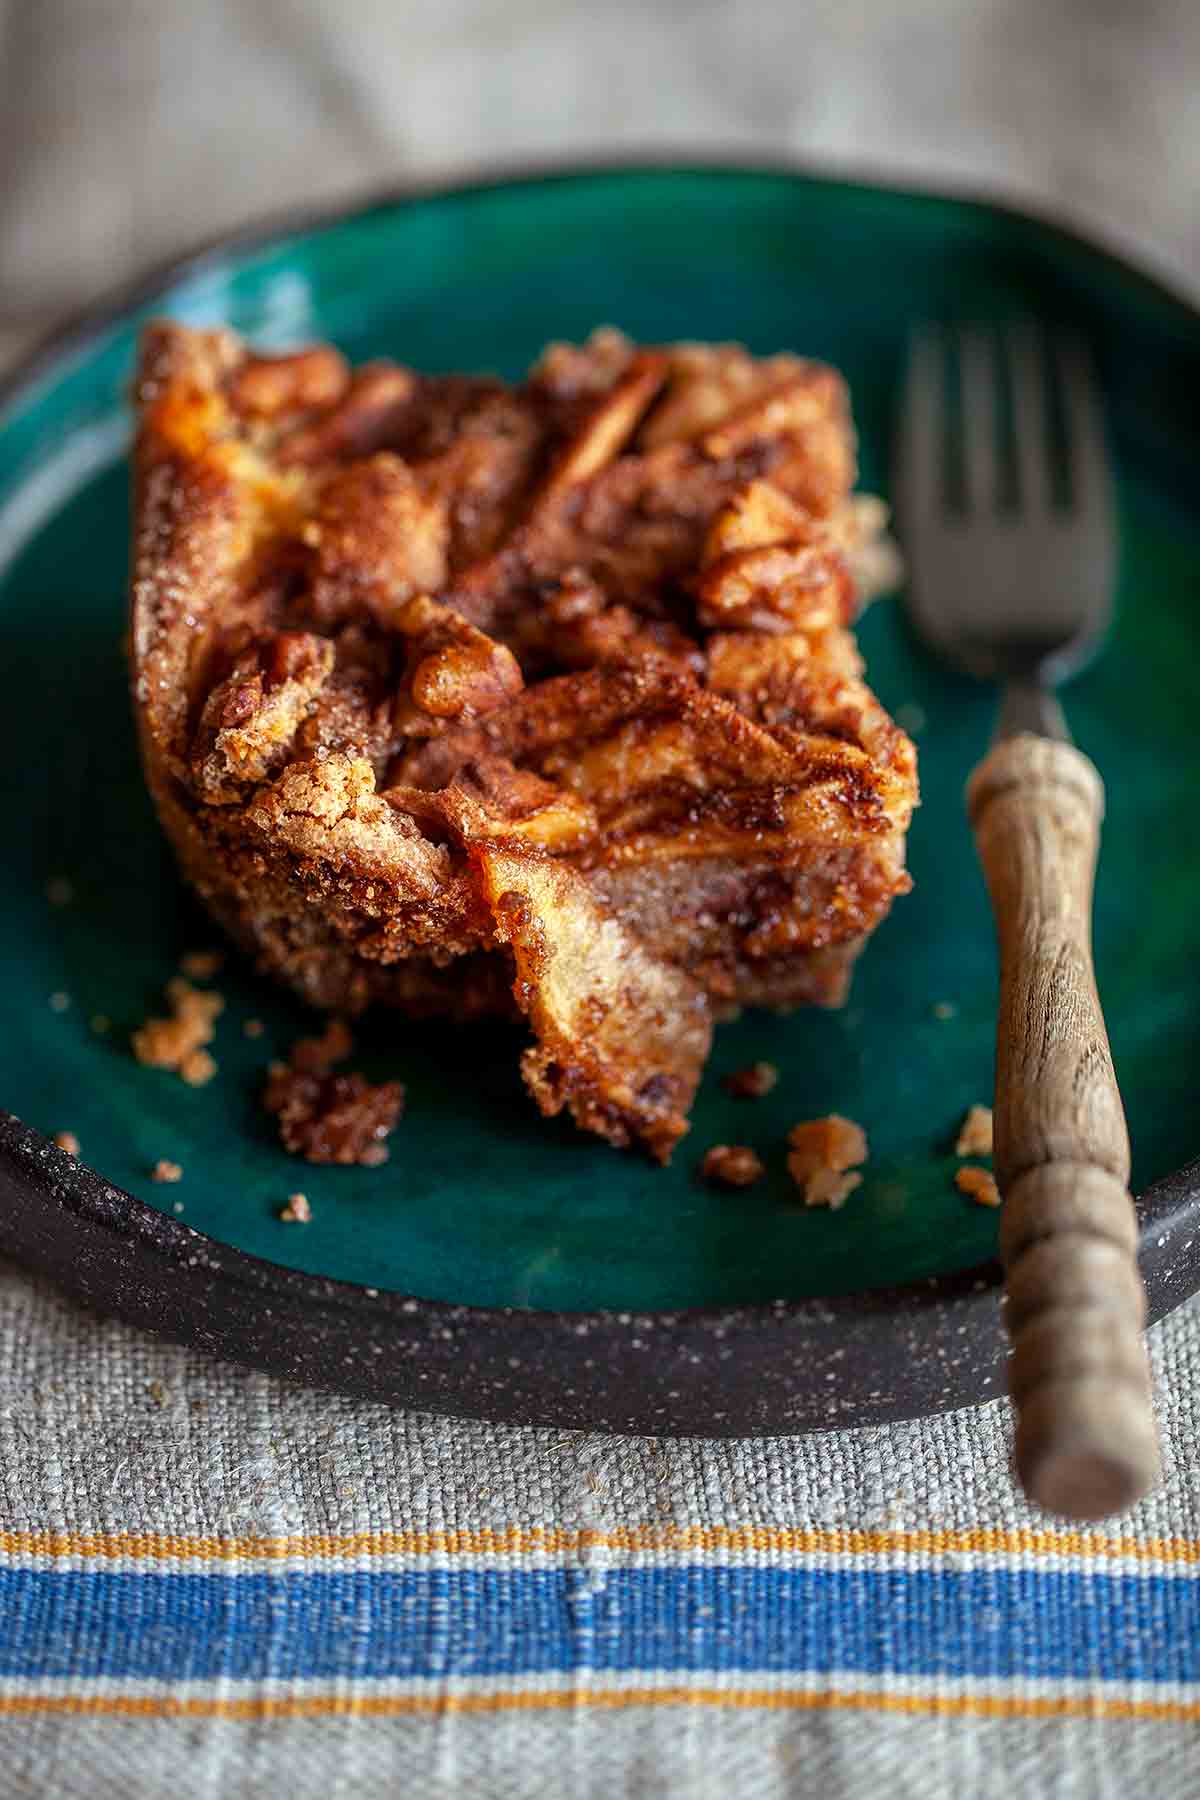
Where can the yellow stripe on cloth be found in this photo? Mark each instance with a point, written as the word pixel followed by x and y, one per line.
pixel 634 1539
pixel 974 1706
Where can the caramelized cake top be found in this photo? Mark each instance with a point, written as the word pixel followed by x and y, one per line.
pixel 470 666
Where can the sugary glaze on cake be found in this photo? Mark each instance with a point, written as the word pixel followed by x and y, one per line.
pixel 465 697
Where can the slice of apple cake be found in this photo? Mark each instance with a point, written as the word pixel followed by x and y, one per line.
pixel 466 697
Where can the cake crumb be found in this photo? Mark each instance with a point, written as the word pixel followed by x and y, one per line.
pixel 945 1009
pixel 979 1183
pixel 177 1206
pixel 178 1042
pixel 100 1023
pixel 202 965
pixel 297 1211
pixel 59 891
pixel 822 1152
pixel 59 1002
pixel 66 1140
pixel 975 1133
pixel 829 1143
pixel 316 1055
pixel 829 1187
pixel 753 1082
pixel 253 1028
pixel 165 1170
pixel 198 1068
pixel 328 1118
pixel 733 1165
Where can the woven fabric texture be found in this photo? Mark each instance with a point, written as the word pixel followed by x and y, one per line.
pixel 213 1585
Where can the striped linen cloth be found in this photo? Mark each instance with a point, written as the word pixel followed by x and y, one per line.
pixel 213 1584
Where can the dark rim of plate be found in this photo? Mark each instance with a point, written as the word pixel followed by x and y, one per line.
pixel 797 1365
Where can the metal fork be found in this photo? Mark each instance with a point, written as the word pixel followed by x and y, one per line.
pixel 1011 552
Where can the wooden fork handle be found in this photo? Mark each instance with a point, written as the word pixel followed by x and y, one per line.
pixel 1086 1443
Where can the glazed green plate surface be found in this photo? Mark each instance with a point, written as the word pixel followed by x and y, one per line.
pixel 483 1202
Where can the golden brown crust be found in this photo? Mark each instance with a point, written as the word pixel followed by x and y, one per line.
pixel 621 1035
pixel 454 695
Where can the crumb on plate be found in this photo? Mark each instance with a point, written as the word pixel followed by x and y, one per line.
pixel 317 1055
pixel 822 1152
pixel 253 1028
pixel 979 1184
pixel 59 1002
pixel 165 1170
pixel 975 1133
pixel 100 1023
pixel 732 1165
pixel 66 1140
pixel 59 891
pixel 829 1187
pixel 944 1009
pixel 297 1211
pixel 178 1043
pixel 202 965
pixel 198 1068
pixel 328 1118
pixel 753 1082
pixel 829 1143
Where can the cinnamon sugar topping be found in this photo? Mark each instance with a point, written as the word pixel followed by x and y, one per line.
pixel 535 697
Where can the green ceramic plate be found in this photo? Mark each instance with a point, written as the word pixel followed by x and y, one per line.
pixel 484 1205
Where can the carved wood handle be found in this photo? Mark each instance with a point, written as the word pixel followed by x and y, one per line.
pixel 1086 1443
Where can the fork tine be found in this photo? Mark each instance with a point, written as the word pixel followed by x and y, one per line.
pixel 1087 464
pixel 921 436
pixel 980 420
pixel 1027 374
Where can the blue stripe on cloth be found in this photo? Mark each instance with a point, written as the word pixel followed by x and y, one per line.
pixel 490 1622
